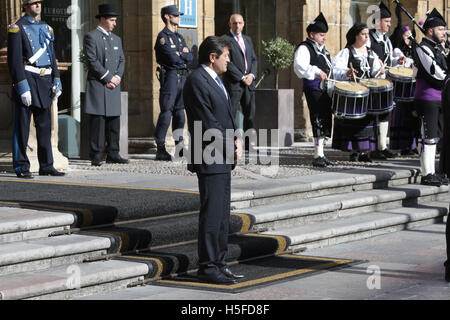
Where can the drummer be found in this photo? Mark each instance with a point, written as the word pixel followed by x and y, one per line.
pixel 404 130
pixel 431 72
pixel 356 61
pixel 313 64
pixel 381 44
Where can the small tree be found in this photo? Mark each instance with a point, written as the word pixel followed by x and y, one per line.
pixel 279 53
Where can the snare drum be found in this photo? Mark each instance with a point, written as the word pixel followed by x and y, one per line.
pixel 404 83
pixel 381 98
pixel 350 100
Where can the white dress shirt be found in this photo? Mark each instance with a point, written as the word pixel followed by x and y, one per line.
pixel 214 75
pixel 340 65
pixel 302 63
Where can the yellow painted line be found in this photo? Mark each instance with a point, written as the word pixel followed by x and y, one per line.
pixel 246 222
pixel 100 186
pixel 159 263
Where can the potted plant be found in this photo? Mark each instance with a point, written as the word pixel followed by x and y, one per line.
pixel 275 107
pixel 280 54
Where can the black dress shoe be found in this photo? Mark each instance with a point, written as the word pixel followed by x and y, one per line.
pixel 364 157
pixel 378 155
pixel 24 175
pixel 354 157
pixel 389 154
pixel 96 163
pixel 431 180
pixel 229 274
pixel 319 162
pixel 51 172
pixel 117 159
pixel 216 278
pixel 329 162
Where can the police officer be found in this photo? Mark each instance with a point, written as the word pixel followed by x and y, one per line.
pixel 173 56
pixel 36 82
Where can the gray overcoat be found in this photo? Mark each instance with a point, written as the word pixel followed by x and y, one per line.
pixel 105 59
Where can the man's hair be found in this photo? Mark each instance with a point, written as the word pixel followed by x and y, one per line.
pixel 164 18
pixel 212 45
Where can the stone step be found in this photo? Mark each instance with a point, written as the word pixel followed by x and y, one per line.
pixel 72 281
pixel 44 253
pixel 19 224
pixel 256 193
pixel 331 207
pixel 360 227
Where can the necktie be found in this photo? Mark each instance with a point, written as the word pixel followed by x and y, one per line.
pixel 221 86
pixel 242 45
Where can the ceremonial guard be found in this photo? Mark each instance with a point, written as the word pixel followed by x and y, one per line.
pixel 404 129
pixel 106 65
pixel 173 57
pixel 356 61
pixel 313 64
pixel 431 62
pixel 36 82
pixel 382 46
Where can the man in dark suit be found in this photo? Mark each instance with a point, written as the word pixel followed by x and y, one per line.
pixel 36 82
pixel 242 71
pixel 208 110
pixel 106 65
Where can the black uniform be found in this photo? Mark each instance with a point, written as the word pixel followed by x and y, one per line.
pixel 33 69
pixel 174 63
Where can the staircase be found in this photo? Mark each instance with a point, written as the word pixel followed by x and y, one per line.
pixel 309 211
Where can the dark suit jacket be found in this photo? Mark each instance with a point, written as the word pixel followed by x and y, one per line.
pixel 236 68
pixel 206 102
pixel 103 65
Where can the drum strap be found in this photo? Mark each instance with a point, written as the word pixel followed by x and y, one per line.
pixel 325 54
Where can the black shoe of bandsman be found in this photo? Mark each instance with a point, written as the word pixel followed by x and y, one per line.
pixel 364 157
pixel 378 155
pixel 319 162
pixel 431 180
pixel 389 154
pixel 329 162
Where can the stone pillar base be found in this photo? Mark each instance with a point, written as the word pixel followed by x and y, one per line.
pixel 60 162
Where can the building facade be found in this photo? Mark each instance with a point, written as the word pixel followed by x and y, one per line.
pixel 140 23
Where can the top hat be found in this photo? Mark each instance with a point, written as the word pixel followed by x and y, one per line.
pixel 106 10
pixel 318 25
pixel 172 9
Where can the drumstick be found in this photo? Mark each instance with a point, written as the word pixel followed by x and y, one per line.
pixel 384 66
pixel 354 77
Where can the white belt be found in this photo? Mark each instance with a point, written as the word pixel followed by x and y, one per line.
pixel 41 71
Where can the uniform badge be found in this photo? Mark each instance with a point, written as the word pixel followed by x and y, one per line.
pixel 14 28
pixel 162 41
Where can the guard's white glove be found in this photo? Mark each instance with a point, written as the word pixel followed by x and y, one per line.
pixel 26 98
pixel 56 92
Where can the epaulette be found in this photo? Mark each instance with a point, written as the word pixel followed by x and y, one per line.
pixel 13 28
pixel 51 29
